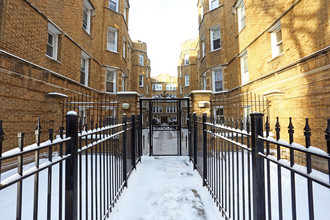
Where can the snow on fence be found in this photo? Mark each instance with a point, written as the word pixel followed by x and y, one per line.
pixel 82 177
pixel 249 176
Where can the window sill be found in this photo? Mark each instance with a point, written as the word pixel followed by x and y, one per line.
pixel 215 50
pixel 276 57
pixel 116 52
pixel 51 58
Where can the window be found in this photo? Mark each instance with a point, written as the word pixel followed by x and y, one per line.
pixel 141 60
pixel 111 81
pixel 124 47
pixel 219 115
pixel 113 5
pixel 276 39
pixel 214 4
pixel 128 49
pixel 204 86
pixel 180 89
pixel 52 42
pixel 123 82
pixel 246 115
pixel 171 87
pixel 157 87
pixel 217 80
pixel 240 15
pixel 84 69
pixel 141 80
pixel 186 59
pixel 186 80
pixel 203 46
pixel 125 10
pixel 112 39
pixel 147 73
pixel 87 11
pixel 244 68
pixel 147 89
pixel 83 115
pixel 215 38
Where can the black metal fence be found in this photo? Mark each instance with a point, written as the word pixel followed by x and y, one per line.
pixel 86 169
pixel 247 176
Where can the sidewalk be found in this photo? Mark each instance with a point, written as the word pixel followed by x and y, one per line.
pixel 165 188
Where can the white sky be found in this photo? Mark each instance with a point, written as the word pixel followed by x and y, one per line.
pixel 163 25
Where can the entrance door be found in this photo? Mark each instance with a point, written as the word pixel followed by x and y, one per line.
pixel 167 135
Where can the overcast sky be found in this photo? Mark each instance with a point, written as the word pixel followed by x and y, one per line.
pixel 163 25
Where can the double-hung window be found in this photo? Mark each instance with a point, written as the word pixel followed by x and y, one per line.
pixel 215 38
pixel 112 39
pixel 219 115
pixel 186 79
pixel 217 79
pixel 204 82
pixel 124 47
pixel 113 5
pixel 203 46
pixel 244 68
pixel 111 80
pixel 186 59
pixel 123 82
pixel 84 68
pixel 87 12
pixel 52 42
pixel 276 39
pixel 125 10
pixel 214 4
pixel 141 79
pixel 141 59
pixel 240 15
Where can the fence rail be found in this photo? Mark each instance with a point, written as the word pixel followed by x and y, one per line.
pixel 249 176
pixel 83 175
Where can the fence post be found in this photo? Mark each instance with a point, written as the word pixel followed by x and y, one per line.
pixel 2 134
pixel 195 140
pixel 140 136
pixel 204 150
pixel 124 150
pixel 258 172
pixel 71 166
pixel 133 142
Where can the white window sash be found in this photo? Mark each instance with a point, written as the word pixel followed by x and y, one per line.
pixel 214 4
pixel 244 69
pixel 112 43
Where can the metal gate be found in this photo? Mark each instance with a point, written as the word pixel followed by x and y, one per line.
pixel 165 125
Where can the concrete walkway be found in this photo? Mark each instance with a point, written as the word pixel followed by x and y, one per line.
pixel 165 188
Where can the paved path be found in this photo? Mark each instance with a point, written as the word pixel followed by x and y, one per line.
pixel 165 188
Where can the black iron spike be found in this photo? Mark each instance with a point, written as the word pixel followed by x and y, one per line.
pixel 307 134
pixel 2 133
pixel 51 135
pixel 291 130
pixel 327 136
pixel 277 128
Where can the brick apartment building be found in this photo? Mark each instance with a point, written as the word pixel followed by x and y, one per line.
pixel 53 50
pixel 276 50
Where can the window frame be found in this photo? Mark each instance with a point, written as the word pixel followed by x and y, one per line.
pixel 54 32
pixel 204 82
pixel 115 31
pixel 124 47
pixel 212 30
pixel 215 108
pixel 214 71
pixel 211 4
pixel 114 80
pixel 203 46
pixel 240 7
pixel 117 5
pixel 186 80
pixel 244 74
pixel 186 59
pixel 141 80
pixel 86 59
pixel 141 60
pixel 89 8
pixel 276 45
pixel 123 82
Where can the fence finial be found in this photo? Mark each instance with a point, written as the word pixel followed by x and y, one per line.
pixel 277 128
pixel 291 130
pixel 2 133
pixel 307 134
pixel 267 126
pixel 327 132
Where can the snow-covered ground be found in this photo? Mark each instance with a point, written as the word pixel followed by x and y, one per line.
pixel 165 188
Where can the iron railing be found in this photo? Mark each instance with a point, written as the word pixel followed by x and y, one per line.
pixel 86 169
pixel 247 175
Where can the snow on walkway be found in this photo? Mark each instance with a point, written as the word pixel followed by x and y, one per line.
pixel 165 188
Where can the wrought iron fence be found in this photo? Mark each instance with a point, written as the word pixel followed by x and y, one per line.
pixel 247 176
pixel 86 169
